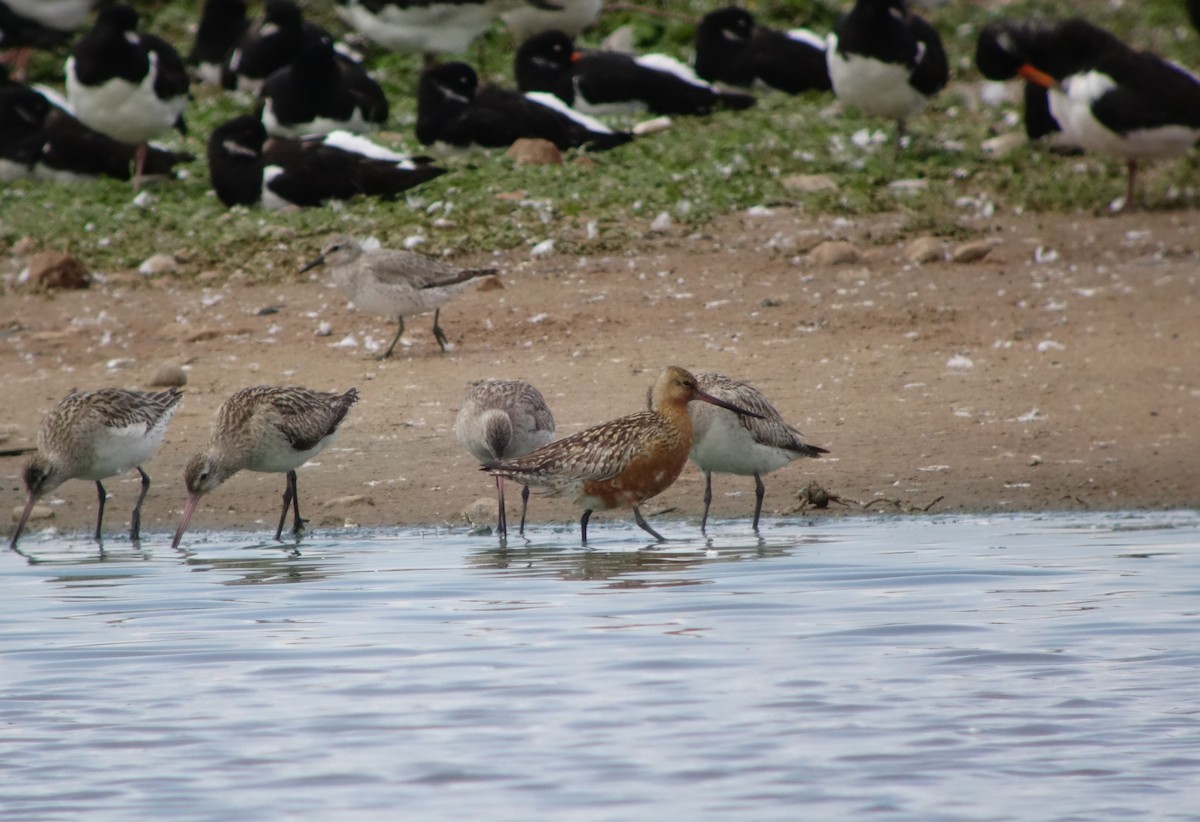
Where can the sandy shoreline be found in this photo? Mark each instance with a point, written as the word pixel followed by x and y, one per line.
pixel 1059 372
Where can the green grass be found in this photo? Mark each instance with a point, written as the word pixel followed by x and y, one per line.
pixel 696 171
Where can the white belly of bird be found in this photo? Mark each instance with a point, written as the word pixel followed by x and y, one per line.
pixel 275 455
pixel 395 299
pixel 878 88
pixel 1072 107
pixel 117 450
pixel 728 447
pixel 122 110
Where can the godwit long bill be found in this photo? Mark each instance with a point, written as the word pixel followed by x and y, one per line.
pixel 624 462
pixel 740 444
pixel 268 429
pixel 501 420
pixel 93 435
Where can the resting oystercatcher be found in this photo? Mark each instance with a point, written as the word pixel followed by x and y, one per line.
pixel 454 111
pixel 319 92
pixel 732 50
pixel 42 24
pixel 427 27
pixel 886 61
pixel 246 169
pixel 609 82
pixel 222 24
pixel 268 45
pixel 1107 97
pixel 129 85
pixel 39 139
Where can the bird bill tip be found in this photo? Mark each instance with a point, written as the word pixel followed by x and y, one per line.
pixel 313 263
pixel 22 521
pixel 188 510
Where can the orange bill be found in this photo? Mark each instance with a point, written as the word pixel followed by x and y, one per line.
pixel 1037 76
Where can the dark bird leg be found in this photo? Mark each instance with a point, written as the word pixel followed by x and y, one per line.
pixel 583 521
pixel 707 499
pixel 290 498
pixel 102 496
pixel 759 491
pixel 524 505
pixel 135 526
pixel 502 515
pixel 438 333
pixel 386 354
pixel 901 132
pixel 637 517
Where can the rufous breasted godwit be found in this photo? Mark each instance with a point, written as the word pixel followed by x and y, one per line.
pixel 624 462
pixel 501 420
pixel 269 429
pixel 394 283
pixel 93 435
pixel 740 444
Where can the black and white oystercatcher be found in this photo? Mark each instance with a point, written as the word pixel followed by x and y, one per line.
pixel 733 50
pixel 1106 96
pixel 454 111
pixel 247 169
pixel 609 82
pixel 886 61
pixel 129 85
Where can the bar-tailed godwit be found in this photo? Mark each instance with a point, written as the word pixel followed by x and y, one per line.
pixel 735 444
pixel 268 429
pixel 93 435
pixel 394 283
pixel 501 420
pixel 624 462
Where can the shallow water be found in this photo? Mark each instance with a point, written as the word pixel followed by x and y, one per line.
pixel 1018 667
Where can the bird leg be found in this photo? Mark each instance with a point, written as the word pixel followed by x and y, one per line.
pixel 901 133
pixel 524 505
pixel 637 517
pixel 387 354
pixel 759 491
pixel 135 525
pixel 438 333
pixel 139 163
pixel 583 521
pixel 1131 165
pixel 290 498
pixel 102 496
pixel 501 516
pixel 707 499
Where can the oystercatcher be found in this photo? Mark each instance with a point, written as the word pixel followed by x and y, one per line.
pixel 732 50
pixel 269 45
pixel 222 24
pixel 129 85
pixel 886 61
pixel 42 140
pixel 453 110
pixel 609 82
pixel 321 91
pixel 1106 96
pixel 246 169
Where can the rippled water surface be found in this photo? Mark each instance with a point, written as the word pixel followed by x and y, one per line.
pixel 913 669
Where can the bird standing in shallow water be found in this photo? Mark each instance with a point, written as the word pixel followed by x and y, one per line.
pixel 93 435
pixel 736 444
pixel 624 462
pixel 395 283
pixel 267 429
pixel 500 420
